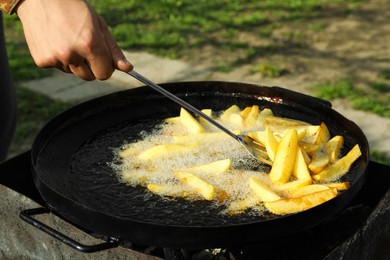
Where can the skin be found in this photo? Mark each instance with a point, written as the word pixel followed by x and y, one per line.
pixel 70 36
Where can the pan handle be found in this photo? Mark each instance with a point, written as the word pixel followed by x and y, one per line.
pixel 28 216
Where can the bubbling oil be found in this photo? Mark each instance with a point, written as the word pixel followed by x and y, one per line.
pixel 230 186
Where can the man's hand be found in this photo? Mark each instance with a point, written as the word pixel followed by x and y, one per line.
pixel 71 36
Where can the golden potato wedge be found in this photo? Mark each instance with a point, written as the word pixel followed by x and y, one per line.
pixel 291 185
pixel 258 136
pixel 245 112
pixel 309 148
pixel 216 167
pixel 300 170
pixel 280 123
pixel 271 144
pixel 262 190
pixel 190 123
pixel 266 112
pixel 173 190
pixel 318 162
pixel 294 205
pixel 308 189
pixel 338 185
pixel 323 135
pixel 166 150
pixel 205 189
pixel 340 167
pixel 236 121
pixel 285 158
pixel 207 112
pixel 238 206
pixel 333 147
pixel 225 117
pixel 251 118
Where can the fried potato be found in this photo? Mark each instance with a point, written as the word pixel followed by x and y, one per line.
pixel 225 117
pixel 258 136
pixel 251 118
pixel 340 167
pixel 264 192
pixel 190 123
pixel 245 112
pixel 277 123
pixel 318 162
pixel 216 167
pixel 338 185
pixel 291 185
pixel 333 147
pixel 266 112
pixel 309 148
pixel 294 205
pixel 285 158
pixel 237 121
pixel 300 170
pixel 271 144
pixel 172 190
pixel 238 206
pixel 308 189
pixel 205 189
pixel 323 135
pixel 166 150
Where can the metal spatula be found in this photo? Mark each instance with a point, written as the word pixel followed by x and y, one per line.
pixel 250 145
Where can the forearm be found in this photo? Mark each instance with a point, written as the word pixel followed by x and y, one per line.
pixel 8 6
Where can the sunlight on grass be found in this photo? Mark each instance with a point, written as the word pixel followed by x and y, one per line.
pixel 377 103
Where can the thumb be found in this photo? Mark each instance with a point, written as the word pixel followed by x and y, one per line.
pixel 119 59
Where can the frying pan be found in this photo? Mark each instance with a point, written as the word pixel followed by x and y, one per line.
pixel 71 167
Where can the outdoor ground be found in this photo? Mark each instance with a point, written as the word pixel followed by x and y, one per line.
pixel 342 47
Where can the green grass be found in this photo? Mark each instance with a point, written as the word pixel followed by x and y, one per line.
pixel 34 110
pixel 375 100
pixel 180 28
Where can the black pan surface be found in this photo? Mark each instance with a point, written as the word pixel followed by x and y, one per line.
pixel 71 167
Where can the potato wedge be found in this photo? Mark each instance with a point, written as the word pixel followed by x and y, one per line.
pixel 237 121
pixel 294 205
pixel 205 189
pixel 271 144
pixel 251 118
pixel 216 167
pixel 333 147
pixel 166 150
pixel 300 170
pixel 338 185
pixel 262 190
pixel 190 123
pixel 291 185
pixel 340 167
pixel 318 162
pixel 225 117
pixel 266 112
pixel 323 135
pixel 168 190
pixel 238 206
pixel 285 158
pixel 258 136
pixel 308 189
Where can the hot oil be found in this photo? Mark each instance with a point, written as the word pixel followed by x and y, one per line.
pixel 230 186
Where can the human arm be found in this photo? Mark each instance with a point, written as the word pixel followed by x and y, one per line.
pixel 71 36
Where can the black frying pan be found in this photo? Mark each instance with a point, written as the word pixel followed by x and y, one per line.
pixel 70 170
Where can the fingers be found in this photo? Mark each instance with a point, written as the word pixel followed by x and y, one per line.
pixel 83 71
